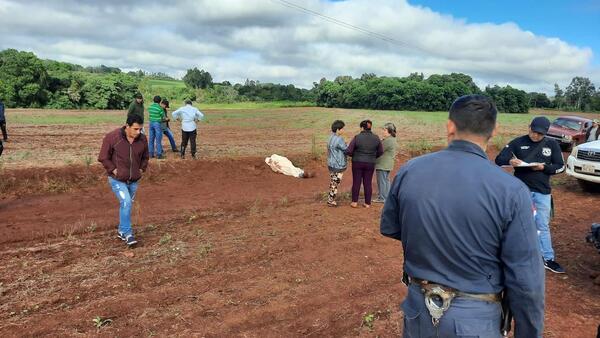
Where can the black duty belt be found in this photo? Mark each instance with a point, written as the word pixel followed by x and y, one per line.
pixel 445 294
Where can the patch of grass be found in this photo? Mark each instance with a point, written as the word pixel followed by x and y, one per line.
pixel 419 147
pixel 204 249
pixel 165 239
pixel 85 118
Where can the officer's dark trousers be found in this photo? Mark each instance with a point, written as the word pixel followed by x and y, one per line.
pixel 3 128
pixel 191 136
pixel 362 172
pixel 464 318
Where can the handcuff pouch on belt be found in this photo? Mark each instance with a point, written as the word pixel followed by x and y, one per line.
pixel 435 292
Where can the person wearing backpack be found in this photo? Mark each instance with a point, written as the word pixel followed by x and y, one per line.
pixel 535 158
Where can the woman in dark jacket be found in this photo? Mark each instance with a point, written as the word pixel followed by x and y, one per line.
pixel 364 148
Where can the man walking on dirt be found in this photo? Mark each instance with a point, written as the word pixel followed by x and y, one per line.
pixel 468 235
pixel 124 155
pixel 188 115
pixel 536 158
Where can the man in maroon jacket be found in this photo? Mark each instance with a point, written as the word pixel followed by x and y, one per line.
pixel 124 155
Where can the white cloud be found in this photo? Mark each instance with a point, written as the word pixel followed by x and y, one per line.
pixel 264 40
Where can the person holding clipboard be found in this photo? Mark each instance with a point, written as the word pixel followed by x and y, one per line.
pixel 535 158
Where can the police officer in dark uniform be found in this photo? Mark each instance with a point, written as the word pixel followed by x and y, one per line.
pixel 545 157
pixel 468 234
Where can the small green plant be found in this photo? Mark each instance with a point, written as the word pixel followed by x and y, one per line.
pixel 369 320
pixel 204 249
pixel 165 239
pixel 87 159
pixel 99 322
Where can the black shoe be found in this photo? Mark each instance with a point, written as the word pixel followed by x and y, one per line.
pixel 175 150
pixel 553 266
pixel 194 156
pixel 130 240
pixel 161 157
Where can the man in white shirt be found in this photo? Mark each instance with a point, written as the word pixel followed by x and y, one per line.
pixel 188 115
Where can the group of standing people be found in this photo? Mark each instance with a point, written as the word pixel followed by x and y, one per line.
pixel 126 151
pixel 369 154
pixel 159 125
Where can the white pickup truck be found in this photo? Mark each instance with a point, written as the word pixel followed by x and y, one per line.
pixel 584 164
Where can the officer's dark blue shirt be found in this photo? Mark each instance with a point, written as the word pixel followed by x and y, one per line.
pixel 467 224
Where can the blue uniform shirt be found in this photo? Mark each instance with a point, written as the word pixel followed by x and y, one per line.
pixel 467 224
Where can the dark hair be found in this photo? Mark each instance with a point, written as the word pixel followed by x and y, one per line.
pixel 165 102
pixel 188 101
pixel 366 124
pixel 337 125
pixel 391 128
pixel 156 99
pixel 134 118
pixel 474 114
pixel 138 96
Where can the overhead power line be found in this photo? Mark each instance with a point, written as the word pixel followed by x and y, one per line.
pixel 348 25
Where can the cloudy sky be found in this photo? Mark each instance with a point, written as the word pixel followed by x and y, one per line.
pixel 510 42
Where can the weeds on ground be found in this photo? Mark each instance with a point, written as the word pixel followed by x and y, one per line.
pixel 419 147
pixel 283 201
pixel 204 249
pixel 368 321
pixel 87 160
pixel 99 322
pixel 315 151
pixel 165 239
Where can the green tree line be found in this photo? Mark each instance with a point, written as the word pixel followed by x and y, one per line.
pixel 27 81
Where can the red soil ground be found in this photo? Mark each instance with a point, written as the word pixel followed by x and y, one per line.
pixel 229 248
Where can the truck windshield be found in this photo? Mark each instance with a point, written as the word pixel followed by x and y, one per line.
pixel 569 124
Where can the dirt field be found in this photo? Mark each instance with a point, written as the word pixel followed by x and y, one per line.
pixel 227 247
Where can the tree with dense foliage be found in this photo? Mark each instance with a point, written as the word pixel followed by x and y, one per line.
pixel 196 78
pixel 23 80
pixel 580 92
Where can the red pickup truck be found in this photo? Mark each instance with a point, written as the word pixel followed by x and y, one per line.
pixel 569 130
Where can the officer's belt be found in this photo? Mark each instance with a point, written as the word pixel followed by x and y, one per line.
pixel 428 286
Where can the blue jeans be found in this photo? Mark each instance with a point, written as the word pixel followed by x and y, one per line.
pixel 169 134
pixel 125 194
pixel 383 183
pixel 465 318
pixel 155 139
pixel 542 221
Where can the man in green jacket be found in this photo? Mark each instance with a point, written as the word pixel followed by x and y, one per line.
pixel 385 163
pixel 137 106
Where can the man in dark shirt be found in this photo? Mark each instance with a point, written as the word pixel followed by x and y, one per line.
pixel 544 158
pixel 467 231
